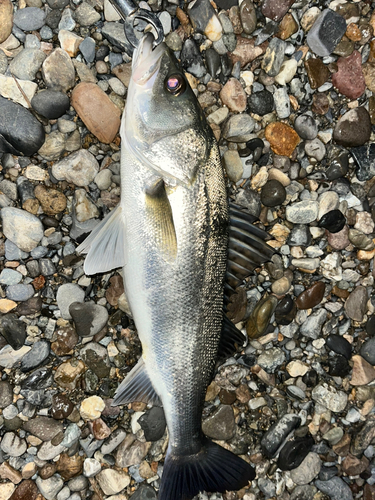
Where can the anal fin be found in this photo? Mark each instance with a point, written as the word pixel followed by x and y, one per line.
pixel 136 386
pixel 231 338
pixel 105 246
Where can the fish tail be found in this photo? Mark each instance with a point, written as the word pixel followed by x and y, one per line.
pixel 211 469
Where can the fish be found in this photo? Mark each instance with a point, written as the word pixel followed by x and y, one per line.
pixel 171 233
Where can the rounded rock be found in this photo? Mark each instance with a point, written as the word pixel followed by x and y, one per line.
pixel 22 228
pixel 273 193
pixel 50 103
pixel 67 294
pixel 353 128
pixel 306 127
pixel 80 168
pixel 6 19
pixel 29 19
pixel 312 296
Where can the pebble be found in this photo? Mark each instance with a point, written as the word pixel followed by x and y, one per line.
pixel 58 71
pixel 273 57
pixel 79 168
pixel 277 433
pixel 91 408
pixel 233 96
pixel 282 138
pixel 349 79
pixel 97 111
pixel 29 18
pixel 306 127
pixel 282 103
pixel 276 10
pixel 50 487
pixel 302 212
pixel 353 128
pixel 326 32
pixel 261 102
pixel 368 351
pixel 6 17
pixel 67 294
pixel 233 165
pixel 355 305
pixel 13 445
pixel 89 318
pixel 271 359
pixel 335 488
pixel 312 296
pixel 112 481
pixel 294 453
pixel 339 345
pixel 220 425
pixel 318 74
pixel 153 423
pixel 329 397
pixel 313 324
pixel 363 373
pixel 334 221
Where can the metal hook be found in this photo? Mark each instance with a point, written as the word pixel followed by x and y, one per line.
pixel 129 12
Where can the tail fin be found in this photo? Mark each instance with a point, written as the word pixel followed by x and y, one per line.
pixel 213 469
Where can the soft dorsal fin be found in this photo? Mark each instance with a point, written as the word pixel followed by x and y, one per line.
pixel 136 386
pixel 161 220
pixel 231 338
pixel 105 246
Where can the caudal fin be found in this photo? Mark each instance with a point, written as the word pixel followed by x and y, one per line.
pixel 213 469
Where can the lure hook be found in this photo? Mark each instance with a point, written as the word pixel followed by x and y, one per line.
pixel 129 12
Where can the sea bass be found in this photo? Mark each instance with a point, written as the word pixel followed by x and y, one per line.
pixel 170 235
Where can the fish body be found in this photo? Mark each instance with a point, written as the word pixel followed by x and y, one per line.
pixel 170 234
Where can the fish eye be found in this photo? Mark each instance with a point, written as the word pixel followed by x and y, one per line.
pixel 175 84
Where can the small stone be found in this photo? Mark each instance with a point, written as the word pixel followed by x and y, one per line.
pixel 246 51
pixel 38 354
pixel 349 79
pixel 233 96
pixel 364 222
pixel 80 168
pixel 220 425
pixel 334 221
pixel 261 102
pixel 89 318
pixel 287 71
pixel 204 19
pixel 282 103
pixel 312 296
pixel 335 488
pixel 6 394
pixel 50 103
pixel 67 294
pixel 69 466
pixel 326 32
pixel 271 359
pixel 363 373
pixel 260 317
pixel 339 345
pixel 58 71
pixel 306 127
pixel 273 57
pixel 282 138
pixel 276 9
pixel 62 407
pixel 368 351
pixel 27 63
pixel 25 490
pixel 273 193
pixel 29 19
pixel 248 16
pixel 302 212
pixel 153 423
pixel 97 111
pixel 275 436
pixel 233 165
pixel 91 467
pixel 353 128
pixel 318 74
pixel 287 27
pixel 191 59
pixel 44 428
pixel 6 19
pixel 315 149
pixel 297 369
pixel 293 453
pixel 353 466
pixel 50 487
pixel 356 303
pixel 68 373
pixel 91 408
pixel 87 48
pixel 112 481
pixel 146 492
pixel 51 200
pixel 66 339
pixel 86 15
pixel 238 128
pixel 70 42
pixel 12 445
pixel 329 397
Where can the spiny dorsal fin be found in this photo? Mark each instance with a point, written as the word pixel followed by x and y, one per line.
pixel 136 386
pixel 105 246
pixel 161 220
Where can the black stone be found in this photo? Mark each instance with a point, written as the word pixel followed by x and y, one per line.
pixel 50 103
pixel 39 379
pixel 365 159
pixel 277 433
pixel 53 18
pixel 6 394
pixel 326 32
pixel 299 236
pixel 294 452
pixel 212 62
pixel 38 354
pixel 144 492
pixel 244 153
pixel 327 472
pixel 338 366
pixel 254 144
pixel 285 311
pixel 339 345
pixel 226 65
pixel 264 160
pixel 310 378
pixel 13 330
pixel 333 221
pixel 368 351
pixel 261 102
pixel 30 306
pixel 370 326
pixel 338 167
pixel 191 59
pixel 251 201
pixel 102 53
pixel 273 193
pixel 25 189
pixel 20 131
pixel 153 423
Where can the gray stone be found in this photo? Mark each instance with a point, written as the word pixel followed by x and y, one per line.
pixel 233 165
pixel 114 33
pixel 112 481
pixel 12 445
pixel 10 277
pixel 87 48
pixel 78 483
pixel 71 435
pixel 66 295
pixel 89 318
pixel 91 467
pixel 368 351
pixel 307 470
pixel 13 330
pixel 67 22
pixel 86 15
pixel 329 397
pixel 20 292
pixel 271 359
pixel 113 441
pixel 335 488
pixel 95 356
pixel 47 267
pixel 50 103
pixel 44 428
pixel 220 425
pixel 326 32
pixel 239 128
pixel 304 492
pixel 80 168
pixel 302 212
pixel 356 303
pixel 58 71
pixel 50 487
pixel 282 102
pixel 313 325
pixel 9 188
pixel 12 252
pixel 48 451
pixel 29 19
pixel 274 56
pixel 306 127
pixel 27 63
pixel 315 149
pixel 4 62
pixel 38 354
pixel 25 230
pixel 275 436
pixel 6 394
pixel 144 492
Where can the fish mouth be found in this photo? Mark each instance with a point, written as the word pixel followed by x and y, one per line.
pixel 146 60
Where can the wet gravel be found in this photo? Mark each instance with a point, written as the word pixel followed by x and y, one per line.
pixel 287 87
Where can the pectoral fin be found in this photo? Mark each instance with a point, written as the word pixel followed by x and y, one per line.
pixel 105 245
pixel 136 387
pixel 161 220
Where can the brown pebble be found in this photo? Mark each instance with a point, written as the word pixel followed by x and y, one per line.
pixel 115 289
pixel 342 447
pixel 282 138
pixel 259 320
pixel 317 72
pixel 52 201
pixel 69 467
pixel 97 111
pixel 339 240
pixel 233 96
pixel 246 51
pixel 353 32
pixel 353 466
pixel 340 292
pixel 243 393
pixel 320 104
pixel 363 373
pixel 27 490
pixel 100 429
pixel 65 339
pixel 47 471
pixel 369 492
pixel 62 407
pixel 8 472
pixel 123 72
pixel 227 397
pixel 276 9
pixel 31 205
pixel 236 307
pixel 234 16
pixel 287 27
pixel 312 296
pixel 349 79
pixel 6 18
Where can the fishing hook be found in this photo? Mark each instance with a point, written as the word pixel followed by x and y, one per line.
pixel 129 12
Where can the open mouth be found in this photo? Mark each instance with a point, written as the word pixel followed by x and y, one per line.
pixel 146 60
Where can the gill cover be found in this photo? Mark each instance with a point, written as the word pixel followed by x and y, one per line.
pixel 163 124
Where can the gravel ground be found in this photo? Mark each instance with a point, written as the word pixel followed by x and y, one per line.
pixel 287 89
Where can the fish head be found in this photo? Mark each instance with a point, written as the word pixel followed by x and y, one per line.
pixel 163 123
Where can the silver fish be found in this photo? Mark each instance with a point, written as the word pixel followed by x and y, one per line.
pixel 170 235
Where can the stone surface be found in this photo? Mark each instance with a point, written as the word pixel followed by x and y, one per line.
pixel 112 481
pixel 220 425
pixel 50 103
pixel 335 488
pixel 277 433
pixel 276 9
pixel 353 128
pixel 282 138
pixel 329 397
pixel 68 294
pixel 349 79
pixel 363 373
pixel 326 32
pixel 312 296
pixel 355 305
pixel 22 228
pixel 80 168
pixel 233 96
pixel 58 71
pixel 89 318
pixel 307 470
